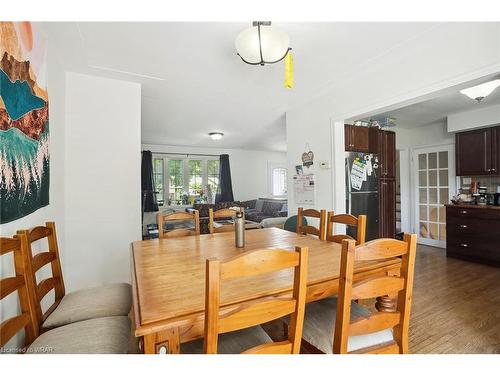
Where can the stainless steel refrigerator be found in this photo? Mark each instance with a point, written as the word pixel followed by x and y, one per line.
pixel 362 191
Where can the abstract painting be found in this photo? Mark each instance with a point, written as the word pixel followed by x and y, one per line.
pixel 24 120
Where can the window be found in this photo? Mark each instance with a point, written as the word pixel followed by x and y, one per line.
pixel 195 177
pixel 175 181
pixel 213 176
pixel 184 180
pixel 158 180
pixel 279 182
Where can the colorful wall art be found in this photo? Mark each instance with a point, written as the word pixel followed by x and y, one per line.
pixel 24 120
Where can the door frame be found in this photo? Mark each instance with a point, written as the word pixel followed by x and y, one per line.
pixel 450 147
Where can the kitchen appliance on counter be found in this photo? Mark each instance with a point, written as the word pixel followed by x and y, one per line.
pixel 362 191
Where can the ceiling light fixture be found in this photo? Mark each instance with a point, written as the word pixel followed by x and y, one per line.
pixel 262 44
pixel 216 135
pixel 481 91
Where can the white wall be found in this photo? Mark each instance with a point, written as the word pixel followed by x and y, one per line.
pixel 249 169
pixel 102 173
pixel 55 210
pixel 447 56
pixel 478 118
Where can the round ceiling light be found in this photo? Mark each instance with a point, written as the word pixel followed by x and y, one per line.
pixel 262 44
pixel 216 135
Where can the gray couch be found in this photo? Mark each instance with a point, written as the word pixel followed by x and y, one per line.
pixel 265 208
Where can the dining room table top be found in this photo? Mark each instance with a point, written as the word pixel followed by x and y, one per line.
pixel 169 274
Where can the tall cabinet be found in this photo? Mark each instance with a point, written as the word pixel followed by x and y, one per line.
pixel 387 183
pixel 383 143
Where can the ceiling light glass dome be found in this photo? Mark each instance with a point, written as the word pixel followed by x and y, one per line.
pixel 262 44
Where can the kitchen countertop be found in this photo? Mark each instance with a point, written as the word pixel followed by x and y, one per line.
pixel 488 207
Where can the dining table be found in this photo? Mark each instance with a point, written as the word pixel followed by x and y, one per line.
pixel 168 281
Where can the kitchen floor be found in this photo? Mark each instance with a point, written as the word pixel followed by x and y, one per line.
pixel 455 305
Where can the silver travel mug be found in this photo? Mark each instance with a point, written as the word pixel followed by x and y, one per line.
pixel 239 230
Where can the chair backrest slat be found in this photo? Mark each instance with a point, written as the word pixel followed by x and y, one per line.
pixel 34 262
pixel 309 229
pixel 262 310
pixel 10 285
pixel 162 218
pixel 223 213
pixel 377 287
pixel 401 285
pixel 41 259
pixel 12 326
pixel 255 314
pixel 25 320
pixel 346 219
pixel 282 347
pixel 45 286
pixel 38 233
pixel 382 248
pixel 376 322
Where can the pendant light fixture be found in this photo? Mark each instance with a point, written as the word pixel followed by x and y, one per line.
pixel 262 44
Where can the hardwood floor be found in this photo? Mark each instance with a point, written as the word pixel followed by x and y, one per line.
pixel 456 305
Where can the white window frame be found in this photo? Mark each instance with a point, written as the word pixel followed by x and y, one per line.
pixel 185 171
pixel 270 171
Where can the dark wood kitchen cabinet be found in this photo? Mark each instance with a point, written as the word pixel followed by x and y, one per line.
pixel 387 208
pixel 360 138
pixel 478 152
pixel 387 154
pixel 473 233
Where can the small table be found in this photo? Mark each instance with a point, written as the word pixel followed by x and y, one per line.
pixel 168 280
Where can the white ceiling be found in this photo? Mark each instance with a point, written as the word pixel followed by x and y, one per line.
pixel 203 86
pixel 435 111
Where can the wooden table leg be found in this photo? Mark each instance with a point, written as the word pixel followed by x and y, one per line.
pixel 164 342
pixel 386 303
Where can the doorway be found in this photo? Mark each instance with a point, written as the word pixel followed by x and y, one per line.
pixel 434 184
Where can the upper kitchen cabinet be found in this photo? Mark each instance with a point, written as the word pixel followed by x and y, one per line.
pixel 387 154
pixel 478 152
pixel 360 138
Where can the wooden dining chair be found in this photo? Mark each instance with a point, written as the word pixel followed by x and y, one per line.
pixel 238 330
pixel 101 335
pixel 223 213
pixel 355 329
pixel 309 229
pixel 107 300
pixel 9 285
pixel 176 217
pixel 350 220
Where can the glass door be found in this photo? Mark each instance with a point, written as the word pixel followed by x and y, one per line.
pixel 434 181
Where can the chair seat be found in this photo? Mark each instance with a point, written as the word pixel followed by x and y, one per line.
pixel 105 301
pixel 110 335
pixel 319 327
pixel 231 343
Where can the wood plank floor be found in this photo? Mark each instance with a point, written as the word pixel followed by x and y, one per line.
pixel 456 305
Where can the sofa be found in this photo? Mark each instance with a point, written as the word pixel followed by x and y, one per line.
pixel 256 210
pixel 264 208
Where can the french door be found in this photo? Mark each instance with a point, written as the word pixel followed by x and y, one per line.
pixel 434 182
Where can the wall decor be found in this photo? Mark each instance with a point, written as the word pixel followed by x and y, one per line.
pixel 24 120
pixel 304 188
pixel 307 158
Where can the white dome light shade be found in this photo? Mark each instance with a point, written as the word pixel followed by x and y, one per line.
pixel 216 136
pixel 481 91
pixel 273 43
